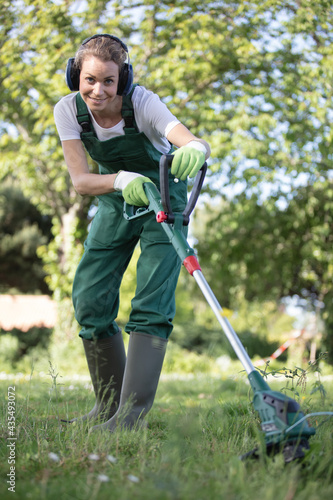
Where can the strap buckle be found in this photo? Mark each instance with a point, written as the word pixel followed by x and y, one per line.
pixel 86 126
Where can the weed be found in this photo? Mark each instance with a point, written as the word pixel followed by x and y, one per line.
pixel 297 377
pixel 54 389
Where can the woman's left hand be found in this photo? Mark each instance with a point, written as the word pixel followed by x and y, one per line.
pixel 188 160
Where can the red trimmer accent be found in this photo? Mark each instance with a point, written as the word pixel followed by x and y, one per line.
pixel 191 263
pixel 161 217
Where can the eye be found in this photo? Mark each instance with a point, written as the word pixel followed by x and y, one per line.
pixel 89 79
pixel 109 81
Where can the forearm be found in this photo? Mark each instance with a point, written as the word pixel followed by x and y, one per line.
pixel 84 182
pixel 181 136
pixel 93 184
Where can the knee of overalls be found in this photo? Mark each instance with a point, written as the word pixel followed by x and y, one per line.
pixel 108 250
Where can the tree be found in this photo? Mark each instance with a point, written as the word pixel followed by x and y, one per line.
pixel 265 252
pixel 253 77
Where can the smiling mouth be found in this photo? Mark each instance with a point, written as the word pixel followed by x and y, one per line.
pixel 97 100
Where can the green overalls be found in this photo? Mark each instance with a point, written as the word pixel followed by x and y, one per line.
pixel 112 240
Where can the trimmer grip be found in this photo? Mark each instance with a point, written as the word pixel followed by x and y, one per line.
pixel 165 164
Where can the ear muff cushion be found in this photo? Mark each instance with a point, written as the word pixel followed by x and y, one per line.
pixel 72 75
pixel 125 80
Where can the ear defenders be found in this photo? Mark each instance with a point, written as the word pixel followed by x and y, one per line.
pixel 125 82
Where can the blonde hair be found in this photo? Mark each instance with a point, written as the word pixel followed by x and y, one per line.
pixel 104 48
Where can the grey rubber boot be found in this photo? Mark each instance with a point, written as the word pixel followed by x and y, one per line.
pixel 106 360
pixel 144 363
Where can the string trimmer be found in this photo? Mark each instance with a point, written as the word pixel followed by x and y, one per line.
pixel 283 423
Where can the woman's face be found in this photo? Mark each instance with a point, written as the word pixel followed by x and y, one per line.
pixel 99 83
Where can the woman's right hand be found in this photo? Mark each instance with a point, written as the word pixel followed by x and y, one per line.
pixel 131 185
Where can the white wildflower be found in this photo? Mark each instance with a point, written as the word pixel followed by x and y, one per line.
pixel 54 457
pixel 93 456
pixel 103 478
pixel 132 478
pixel 112 459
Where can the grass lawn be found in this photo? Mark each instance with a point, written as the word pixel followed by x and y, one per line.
pixel 198 428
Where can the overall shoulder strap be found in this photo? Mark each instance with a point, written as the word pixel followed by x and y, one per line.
pixel 83 117
pixel 127 112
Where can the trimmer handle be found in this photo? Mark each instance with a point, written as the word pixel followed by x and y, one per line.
pixel 165 164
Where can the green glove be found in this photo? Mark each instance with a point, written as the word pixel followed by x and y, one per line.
pixel 131 185
pixel 134 193
pixel 188 160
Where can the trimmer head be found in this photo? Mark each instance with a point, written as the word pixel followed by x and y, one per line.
pixel 294 449
pixel 283 423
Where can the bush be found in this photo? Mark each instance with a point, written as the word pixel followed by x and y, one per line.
pixel 26 341
pixel 213 342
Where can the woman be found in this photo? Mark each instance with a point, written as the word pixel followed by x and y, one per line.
pixel 125 129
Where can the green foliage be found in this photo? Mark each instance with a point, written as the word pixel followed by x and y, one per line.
pixel 39 35
pixel 247 245
pixel 212 341
pixel 261 251
pixel 328 318
pixel 22 230
pixel 27 341
pixel 262 325
pixel 251 75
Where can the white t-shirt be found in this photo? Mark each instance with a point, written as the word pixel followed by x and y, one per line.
pixel 151 115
